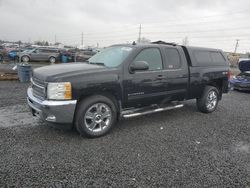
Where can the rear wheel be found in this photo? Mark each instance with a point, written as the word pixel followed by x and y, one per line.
pixel 95 116
pixel 25 59
pixel 52 60
pixel 209 100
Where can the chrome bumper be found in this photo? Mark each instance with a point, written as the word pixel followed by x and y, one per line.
pixel 52 111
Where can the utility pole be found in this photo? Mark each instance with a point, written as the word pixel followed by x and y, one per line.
pixel 82 39
pixel 139 39
pixel 19 52
pixel 236 45
pixel 55 39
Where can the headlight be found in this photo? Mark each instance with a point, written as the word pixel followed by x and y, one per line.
pixel 59 91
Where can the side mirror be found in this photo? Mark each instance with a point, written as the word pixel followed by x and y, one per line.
pixel 138 66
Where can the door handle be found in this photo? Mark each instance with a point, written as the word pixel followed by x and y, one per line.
pixel 160 77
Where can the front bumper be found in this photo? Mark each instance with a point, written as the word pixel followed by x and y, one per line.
pixel 57 112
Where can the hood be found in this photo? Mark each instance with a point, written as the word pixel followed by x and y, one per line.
pixel 54 72
pixel 244 65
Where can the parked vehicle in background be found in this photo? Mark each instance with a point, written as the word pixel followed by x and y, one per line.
pixel 13 54
pixel 124 81
pixel 40 54
pixel 84 55
pixel 77 55
pixel 1 53
pixel 242 80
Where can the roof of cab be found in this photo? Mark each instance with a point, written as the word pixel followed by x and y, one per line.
pixel 162 43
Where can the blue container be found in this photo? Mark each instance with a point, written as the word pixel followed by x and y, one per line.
pixel 64 59
pixel 24 72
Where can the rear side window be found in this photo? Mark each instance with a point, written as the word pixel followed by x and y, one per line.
pixel 173 58
pixel 217 57
pixel 48 50
pixel 208 58
pixel 203 57
pixel 152 56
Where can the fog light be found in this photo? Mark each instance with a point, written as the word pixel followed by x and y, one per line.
pixel 51 118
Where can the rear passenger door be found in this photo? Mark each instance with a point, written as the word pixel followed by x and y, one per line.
pixel 45 53
pixel 36 55
pixel 176 72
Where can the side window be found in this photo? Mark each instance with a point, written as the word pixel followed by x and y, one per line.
pixel 209 58
pixel 152 56
pixel 42 51
pixel 202 57
pixel 37 51
pixel 173 58
pixel 217 57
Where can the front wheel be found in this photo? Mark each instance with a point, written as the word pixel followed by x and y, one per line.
pixel 209 100
pixel 25 59
pixel 95 116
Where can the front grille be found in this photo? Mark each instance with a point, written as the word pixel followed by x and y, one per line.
pixel 38 88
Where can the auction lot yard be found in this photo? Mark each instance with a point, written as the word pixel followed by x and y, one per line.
pixel 178 148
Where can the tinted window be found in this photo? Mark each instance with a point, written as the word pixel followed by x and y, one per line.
pixel 203 57
pixel 36 51
pixel 152 56
pixel 43 51
pixel 206 58
pixel 48 50
pixel 173 58
pixel 217 57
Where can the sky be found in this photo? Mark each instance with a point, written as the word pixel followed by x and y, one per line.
pixel 212 23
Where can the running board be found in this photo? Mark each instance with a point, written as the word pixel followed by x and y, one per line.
pixel 141 112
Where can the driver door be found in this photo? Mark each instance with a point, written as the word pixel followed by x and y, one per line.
pixel 145 87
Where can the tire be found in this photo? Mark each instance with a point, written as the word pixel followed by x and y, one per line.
pixel 52 60
pixel 209 100
pixel 25 59
pixel 95 116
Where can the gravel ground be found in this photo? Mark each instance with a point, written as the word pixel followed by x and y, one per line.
pixel 178 148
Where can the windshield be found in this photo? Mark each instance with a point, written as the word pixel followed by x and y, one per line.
pixel 111 56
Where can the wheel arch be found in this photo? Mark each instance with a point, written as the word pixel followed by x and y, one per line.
pixel 218 83
pixel 109 94
pixel 26 55
pixel 52 56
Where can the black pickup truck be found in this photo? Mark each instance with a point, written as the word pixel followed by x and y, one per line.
pixel 124 81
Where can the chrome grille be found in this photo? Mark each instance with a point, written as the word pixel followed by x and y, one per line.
pixel 38 88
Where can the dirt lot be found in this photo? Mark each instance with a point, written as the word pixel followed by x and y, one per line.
pixel 178 148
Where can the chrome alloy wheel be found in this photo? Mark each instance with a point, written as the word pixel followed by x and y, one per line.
pixel 25 59
pixel 98 117
pixel 212 100
pixel 52 60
